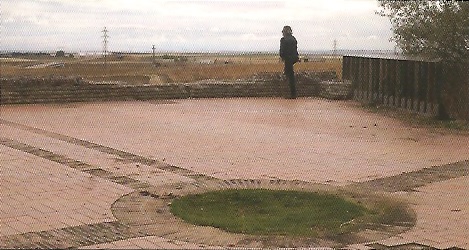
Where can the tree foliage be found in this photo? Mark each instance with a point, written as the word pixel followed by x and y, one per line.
pixel 435 29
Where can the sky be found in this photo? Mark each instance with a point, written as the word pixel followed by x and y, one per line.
pixel 190 25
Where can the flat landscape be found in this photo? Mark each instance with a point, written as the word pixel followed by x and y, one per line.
pixel 164 68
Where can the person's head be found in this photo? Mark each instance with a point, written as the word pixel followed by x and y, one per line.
pixel 287 30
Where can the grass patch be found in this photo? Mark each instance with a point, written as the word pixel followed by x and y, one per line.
pixel 282 213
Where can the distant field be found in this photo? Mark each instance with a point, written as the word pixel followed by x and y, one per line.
pixel 176 68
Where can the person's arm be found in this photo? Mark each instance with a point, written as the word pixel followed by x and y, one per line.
pixel 282 49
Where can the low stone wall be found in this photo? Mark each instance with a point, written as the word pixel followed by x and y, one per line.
pixel 68 89
pixel 336 90
pixel 89 92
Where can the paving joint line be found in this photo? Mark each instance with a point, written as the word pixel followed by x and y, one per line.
pixel 126 156
pixel 403 182
pixel 71 237
pixel 82 235
pixel 410 181
pixel 79 142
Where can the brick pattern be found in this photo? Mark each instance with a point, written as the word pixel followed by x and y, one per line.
pixel 410 181
pixel 47 195
pixel 94 170
pixel 145 222
pixel 69 163
pixel 70 237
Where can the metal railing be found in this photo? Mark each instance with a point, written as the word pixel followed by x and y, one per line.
pixel 424 86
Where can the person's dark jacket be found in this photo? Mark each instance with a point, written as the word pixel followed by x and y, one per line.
pixel 288 49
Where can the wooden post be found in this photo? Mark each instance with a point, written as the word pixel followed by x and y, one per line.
pixel 431 100
pixel 381 75
pixel 356 63
pixel 404 83
pixel 360 62
pixel 415 99
pixel 370 80
pixel 397 87
pixel 391 82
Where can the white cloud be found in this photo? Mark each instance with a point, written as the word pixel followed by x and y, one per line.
pixel 190 24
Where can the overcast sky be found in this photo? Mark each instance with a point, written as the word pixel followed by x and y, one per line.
pixel 190 25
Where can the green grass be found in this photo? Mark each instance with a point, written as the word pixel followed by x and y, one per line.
pixel 268 212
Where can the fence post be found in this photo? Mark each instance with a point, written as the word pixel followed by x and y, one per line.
pixel 346 68
pixel 370 80
pixel 354 77
pixel 397 86
pixel 432 89
pixel 361 80
pixel 392 81
pixel 415 97
pixel 442 114
pixel 404 83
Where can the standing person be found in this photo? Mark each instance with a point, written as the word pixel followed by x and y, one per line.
pixel 289 55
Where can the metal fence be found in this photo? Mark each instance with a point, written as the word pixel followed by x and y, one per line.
pixel 426 87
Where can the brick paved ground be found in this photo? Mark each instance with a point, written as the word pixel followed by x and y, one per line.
pixel 64 166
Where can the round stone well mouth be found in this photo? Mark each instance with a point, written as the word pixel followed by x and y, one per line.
pixel 148 211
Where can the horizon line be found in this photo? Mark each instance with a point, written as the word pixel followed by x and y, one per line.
pixel 100 52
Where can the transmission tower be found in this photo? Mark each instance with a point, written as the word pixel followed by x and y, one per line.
pixel 105 44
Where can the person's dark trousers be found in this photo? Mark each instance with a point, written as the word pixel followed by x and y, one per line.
pixel 290 74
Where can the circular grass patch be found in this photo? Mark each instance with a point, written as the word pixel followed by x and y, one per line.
pixel 269 212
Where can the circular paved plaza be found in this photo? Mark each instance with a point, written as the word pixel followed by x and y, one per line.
pixel 66 167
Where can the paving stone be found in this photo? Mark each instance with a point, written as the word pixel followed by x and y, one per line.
pixel 202 145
